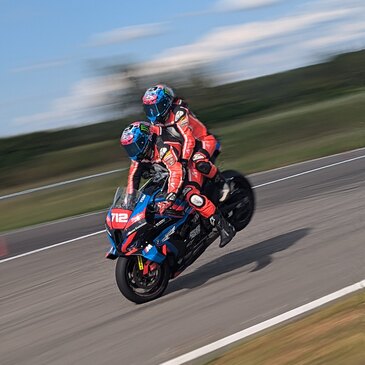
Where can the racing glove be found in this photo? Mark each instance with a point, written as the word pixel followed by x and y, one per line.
pixel 163 206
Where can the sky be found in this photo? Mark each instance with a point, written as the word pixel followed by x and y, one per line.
pixel 52 51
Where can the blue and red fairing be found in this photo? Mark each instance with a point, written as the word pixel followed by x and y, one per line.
pixel 128 222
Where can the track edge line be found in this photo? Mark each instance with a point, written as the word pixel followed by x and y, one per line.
pixel 281 318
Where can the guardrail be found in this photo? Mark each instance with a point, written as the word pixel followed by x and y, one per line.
pixel 61 183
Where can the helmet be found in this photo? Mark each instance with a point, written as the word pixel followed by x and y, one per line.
pixel 157 102
pixel 137 140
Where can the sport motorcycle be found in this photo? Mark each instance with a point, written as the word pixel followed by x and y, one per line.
pixel 151 248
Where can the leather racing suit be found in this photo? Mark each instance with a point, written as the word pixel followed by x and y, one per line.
pixel 167 150
pixel 198 144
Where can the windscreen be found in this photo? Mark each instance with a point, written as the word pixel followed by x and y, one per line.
pixel 125 200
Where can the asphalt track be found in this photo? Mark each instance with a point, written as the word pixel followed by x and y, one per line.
pixel 61 306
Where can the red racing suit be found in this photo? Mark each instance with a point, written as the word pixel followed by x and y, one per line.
pixel 167 151
pixel 198 144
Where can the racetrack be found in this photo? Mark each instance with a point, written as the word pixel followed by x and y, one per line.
pixel 62 306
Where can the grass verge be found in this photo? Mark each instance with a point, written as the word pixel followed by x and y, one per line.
pixel 334 335
pixel 296 135
pixel 87 196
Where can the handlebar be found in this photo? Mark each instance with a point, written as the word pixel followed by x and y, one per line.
pixel 157 174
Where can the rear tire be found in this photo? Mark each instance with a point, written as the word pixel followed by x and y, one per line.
pixel 245 198
pixel 135 286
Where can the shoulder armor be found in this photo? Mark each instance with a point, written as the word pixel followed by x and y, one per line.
pixel 161 147
pixel 179 112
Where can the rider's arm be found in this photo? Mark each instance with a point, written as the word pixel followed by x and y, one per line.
pixel 176 174
pixel 184 128
pixel 134 176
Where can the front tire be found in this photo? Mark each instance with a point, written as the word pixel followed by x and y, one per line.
pixel 244 196
pixel 135 286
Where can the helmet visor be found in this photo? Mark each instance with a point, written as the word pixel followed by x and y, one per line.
pixel 133 151
pixel 137 150
pixel 154 111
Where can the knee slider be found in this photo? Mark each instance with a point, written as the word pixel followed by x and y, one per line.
pixel 197 200
pixel 204 167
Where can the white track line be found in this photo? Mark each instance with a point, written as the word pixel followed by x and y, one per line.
pixel 309 171
pixel 254 187
pixel 51 246
pixel 251 175
pixel 28 191
pixel 295 164
pixel 193 355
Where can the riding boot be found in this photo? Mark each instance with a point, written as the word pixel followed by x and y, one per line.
pixel 225 229
pixel 223 185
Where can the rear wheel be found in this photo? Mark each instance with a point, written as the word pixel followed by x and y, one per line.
pixel 244 198
pixel 137 286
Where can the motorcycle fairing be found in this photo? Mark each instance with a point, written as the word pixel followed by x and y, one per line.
pixel 163 237
pixel 151 253
pixel 139 213
pixel 156 251
pixel 135 221
pixel 112 254
pixel 128 241
pixel 118 218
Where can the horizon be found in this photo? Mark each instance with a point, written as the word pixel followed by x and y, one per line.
pixel 84 124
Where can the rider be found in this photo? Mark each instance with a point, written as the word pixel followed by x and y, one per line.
pixel 146 144
pixel 162 107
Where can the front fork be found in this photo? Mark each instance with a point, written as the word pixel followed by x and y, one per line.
pixel 140 262
pixel 146 266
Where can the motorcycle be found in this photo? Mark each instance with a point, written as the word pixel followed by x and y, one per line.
pixel 151 248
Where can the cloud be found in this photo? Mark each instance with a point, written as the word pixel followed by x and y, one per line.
pixel 84 103
pixel 88 97
pixel 235 52
pixel 236 5
pixel 298 48
pixel 126 34
pixel 230 41
pixel 40 66
pixel 329 41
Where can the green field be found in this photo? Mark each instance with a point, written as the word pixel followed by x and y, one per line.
pixel 47 205
pixel 334 335
pixel 295 135
pixel 63 165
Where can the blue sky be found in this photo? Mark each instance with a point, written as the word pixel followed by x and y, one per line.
pixel 50 48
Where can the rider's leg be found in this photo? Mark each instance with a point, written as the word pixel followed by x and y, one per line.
pixel 206 208
pixel 202 162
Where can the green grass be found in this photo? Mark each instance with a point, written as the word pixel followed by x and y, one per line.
pixel 334 335
pixel 296 135
pixel 48 205
pixel 65 164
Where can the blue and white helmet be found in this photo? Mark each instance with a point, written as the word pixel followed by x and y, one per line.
pixel 157 102
pixel 137 140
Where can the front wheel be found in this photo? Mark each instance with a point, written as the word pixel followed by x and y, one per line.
pixel 244 198
pixel 137 286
